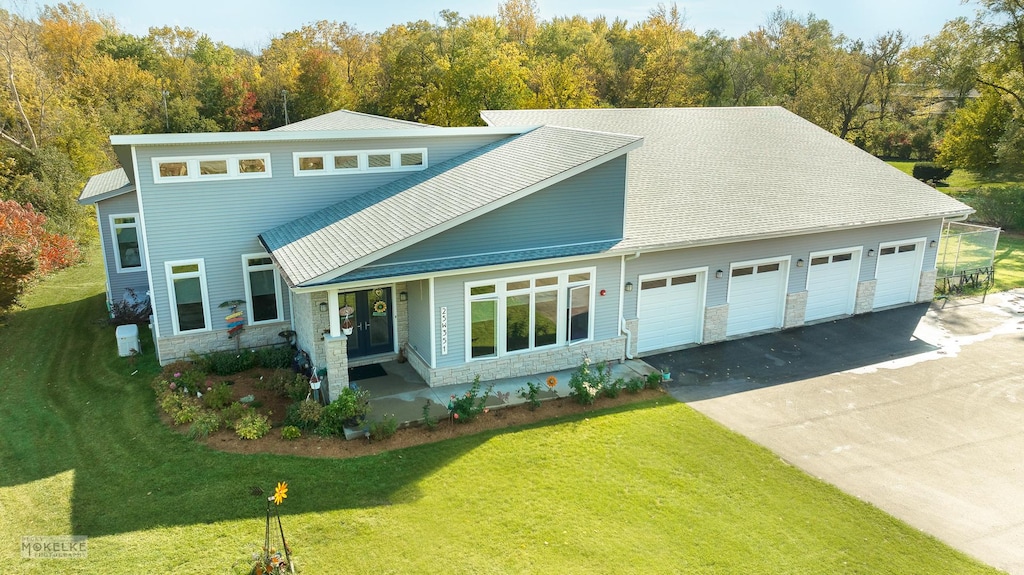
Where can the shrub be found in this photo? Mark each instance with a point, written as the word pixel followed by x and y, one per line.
pixel 182 374
pixel 252 425
pixel 232 413
pixel 636 384
pixel 613 389
pixel 204 424
pixel 1002 206
pixel 429 420
pixel 931 172
pixel 349 410
pixel 27 250
pixel 274 357
pixel 466 407
pixel 297 388
pixel 530 394
pixel 218 396
pixel 290 433
pixel 383 429
pixel 171 401
pixel 654 380
pixel 130 310
pixel 304 414
pixel 188 411
pixel 586 383
pixel 225 362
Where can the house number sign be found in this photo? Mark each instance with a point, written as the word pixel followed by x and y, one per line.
pixel 444 331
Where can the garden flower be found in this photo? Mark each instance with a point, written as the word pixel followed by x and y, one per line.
pixel 281 493
pixel 173 386
pixel 455 415
pixel 177 374
pixel 552 381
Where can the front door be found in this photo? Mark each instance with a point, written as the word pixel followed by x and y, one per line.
pixel 372 321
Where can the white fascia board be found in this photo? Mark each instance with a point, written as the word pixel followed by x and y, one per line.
pixel 306 135
pixel 414 239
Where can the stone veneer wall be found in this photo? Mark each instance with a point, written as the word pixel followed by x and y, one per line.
pixel 401 315
pixel 302 317
pixel 926 289
pixel 796 309
pixel 865 297
pixel 336 358
pixel 538 362
pixel 716 318
pixel 179 346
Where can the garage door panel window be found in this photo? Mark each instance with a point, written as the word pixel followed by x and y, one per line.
pixel 887 251
pixel 767 268
pixel 653 284
pixel 907 248
pixel 820 261
pixel 521 314
pixel 737 272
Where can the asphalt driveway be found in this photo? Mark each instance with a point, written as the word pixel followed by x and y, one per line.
pixel 918 410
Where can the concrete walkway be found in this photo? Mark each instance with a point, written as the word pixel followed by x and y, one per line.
pixel 402 393
pixel 917 410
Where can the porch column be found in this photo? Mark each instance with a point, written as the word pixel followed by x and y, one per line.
pixel 337 359
pixel 332 309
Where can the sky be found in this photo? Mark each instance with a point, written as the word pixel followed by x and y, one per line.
pixel 251 24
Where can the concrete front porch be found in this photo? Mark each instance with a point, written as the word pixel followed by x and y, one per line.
pixel 402 393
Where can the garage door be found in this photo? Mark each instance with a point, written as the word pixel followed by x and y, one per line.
pixel 832 284
pixel 670 310
pixel 898 273
pixel 756 297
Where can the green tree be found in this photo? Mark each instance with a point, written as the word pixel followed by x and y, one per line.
pixel 972 138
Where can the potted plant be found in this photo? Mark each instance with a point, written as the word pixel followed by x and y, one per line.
pixel 346 323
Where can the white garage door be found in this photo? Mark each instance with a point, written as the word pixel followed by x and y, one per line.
pixel 670 310
pixel 832 284
pixel 898 273
pixel 756 297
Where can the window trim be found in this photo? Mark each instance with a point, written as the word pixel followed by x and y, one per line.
pixel 116 247
pixel 193 168
pixel 500 295
pixel 363 162
pixel 246 270
pixel 172 301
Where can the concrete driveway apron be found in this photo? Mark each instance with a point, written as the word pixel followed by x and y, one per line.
pixel 918 410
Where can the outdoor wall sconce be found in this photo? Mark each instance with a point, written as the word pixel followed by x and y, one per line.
pixel 323 307
pixel 799 263
pixel 719 274
pixel 871 253
pixel 403 296
pixel 629 286
pixel 933 243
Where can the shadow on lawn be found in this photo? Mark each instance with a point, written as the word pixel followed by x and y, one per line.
pixel 78 407
pixel 795 354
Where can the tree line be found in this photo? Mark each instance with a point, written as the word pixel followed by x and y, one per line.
pixel 74 77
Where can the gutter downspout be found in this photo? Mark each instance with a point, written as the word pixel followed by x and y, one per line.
pixel 622 297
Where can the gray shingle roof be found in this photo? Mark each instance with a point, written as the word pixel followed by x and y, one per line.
pixel 105 185
pixel 346 120
pixel 341 237
pixel 725 174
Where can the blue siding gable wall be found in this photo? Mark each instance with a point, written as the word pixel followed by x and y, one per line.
pixel 219 221
pixel 588 207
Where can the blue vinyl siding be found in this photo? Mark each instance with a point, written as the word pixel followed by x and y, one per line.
pixel 419 318
pixel 450 292
pixel 585 208
pixel 136 280
pixel 219 220
pixel 718 257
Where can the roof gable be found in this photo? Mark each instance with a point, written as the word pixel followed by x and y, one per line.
pixel 338 239
pixel 346 120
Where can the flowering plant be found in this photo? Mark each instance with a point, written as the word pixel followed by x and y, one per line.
pixel 587 383
pixel 464 408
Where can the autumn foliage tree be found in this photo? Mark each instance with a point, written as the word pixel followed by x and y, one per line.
pixel 27 250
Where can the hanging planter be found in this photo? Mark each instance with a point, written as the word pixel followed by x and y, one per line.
pixel 346 324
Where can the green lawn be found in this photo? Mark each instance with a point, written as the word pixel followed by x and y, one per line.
pixel 962 180
pixel 650 488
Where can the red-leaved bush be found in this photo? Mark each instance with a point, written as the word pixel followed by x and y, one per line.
pixel 27 250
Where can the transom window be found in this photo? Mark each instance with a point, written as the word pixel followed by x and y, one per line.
pixel 524 313
pixel 346 162
pixel 124 231
pixel 168 170
pixel 262 289
pixel 190 303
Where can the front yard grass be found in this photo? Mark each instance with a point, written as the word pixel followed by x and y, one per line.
pixel 649 488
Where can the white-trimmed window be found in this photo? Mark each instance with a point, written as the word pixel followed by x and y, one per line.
pixel 262 289
pixel 168 170
pixel 528 312
pixel 127 242
pixel 190 302
pixel 362 161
